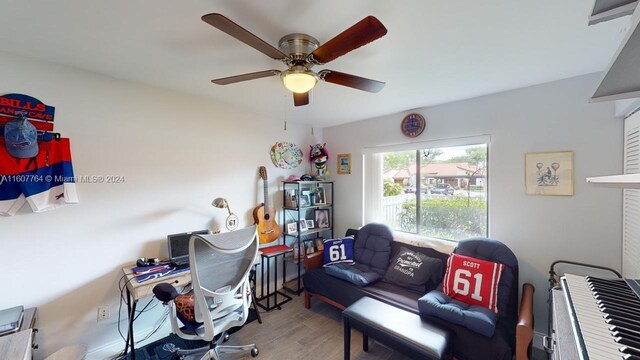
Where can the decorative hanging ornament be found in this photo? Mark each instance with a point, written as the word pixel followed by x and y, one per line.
pixel 286 155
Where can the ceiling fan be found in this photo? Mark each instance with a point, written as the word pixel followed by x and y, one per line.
pixel 300 52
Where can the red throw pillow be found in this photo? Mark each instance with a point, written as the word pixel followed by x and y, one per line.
pixel 472 281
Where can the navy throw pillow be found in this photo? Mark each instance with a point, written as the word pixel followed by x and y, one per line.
pixel 338 251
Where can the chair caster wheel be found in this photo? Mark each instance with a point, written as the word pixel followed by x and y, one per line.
pixel 255 352
pixel 225 338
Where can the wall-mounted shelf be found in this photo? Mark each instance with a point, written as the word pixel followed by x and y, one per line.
pixel 622 78
pixel 628 181
pixel 605 10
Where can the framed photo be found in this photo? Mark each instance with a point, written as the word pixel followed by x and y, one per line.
pixel 310 224
pixel 292 228
pixel 319 243
pixel 344 163
pixel 309 247
pixel 296 254
pixel 322 218
pixel 549 173
pixel 305 200
pixel 303 226
pixel 319 197
pixel 290 198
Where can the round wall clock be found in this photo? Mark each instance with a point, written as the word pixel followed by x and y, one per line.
pixel 413 125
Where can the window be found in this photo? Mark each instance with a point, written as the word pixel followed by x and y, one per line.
pixel 438 192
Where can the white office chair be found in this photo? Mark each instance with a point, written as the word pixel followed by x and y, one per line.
pixel 220 266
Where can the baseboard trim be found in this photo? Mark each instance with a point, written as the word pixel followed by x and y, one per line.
pixel 110 350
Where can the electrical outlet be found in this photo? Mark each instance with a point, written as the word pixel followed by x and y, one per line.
pixel 103 312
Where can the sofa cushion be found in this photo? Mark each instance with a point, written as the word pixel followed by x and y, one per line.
pixel 412 269
pixel 472 281
pixel 352 274
pixel 337 251
pixel 373 247
pixel 473 317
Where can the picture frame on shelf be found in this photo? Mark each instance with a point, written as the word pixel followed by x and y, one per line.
pixel 303 225
pixel 296 254
pixel 322 218
pixel 305 200
pixel 292 228
pixel 344 163
pixel 319 243
pixel 310 223
pixel 309 247
pixel 290 198
pixel 319 197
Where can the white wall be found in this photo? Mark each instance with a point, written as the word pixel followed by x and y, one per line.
pixel 176 153
pixel 539 229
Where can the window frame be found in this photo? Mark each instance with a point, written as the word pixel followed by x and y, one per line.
pixel 434 144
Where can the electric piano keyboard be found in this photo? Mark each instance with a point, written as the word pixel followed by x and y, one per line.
pixel 603 315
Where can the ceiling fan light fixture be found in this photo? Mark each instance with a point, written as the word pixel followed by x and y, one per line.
pixel 299 80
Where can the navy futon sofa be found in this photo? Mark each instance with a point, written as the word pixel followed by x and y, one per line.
pixel 371 243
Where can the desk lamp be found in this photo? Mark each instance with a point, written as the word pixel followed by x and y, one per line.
pixel 232 220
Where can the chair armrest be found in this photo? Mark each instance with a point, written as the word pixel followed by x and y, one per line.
pixel 313 261
pixel 524 328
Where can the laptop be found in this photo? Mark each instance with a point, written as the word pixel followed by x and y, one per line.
pixel 179 247
pixel 10 319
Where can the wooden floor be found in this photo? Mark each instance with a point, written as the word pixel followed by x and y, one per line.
pixel 298 333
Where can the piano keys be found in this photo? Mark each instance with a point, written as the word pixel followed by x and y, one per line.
pixel 603 316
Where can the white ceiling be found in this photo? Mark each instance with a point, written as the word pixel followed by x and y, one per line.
pixel 435 51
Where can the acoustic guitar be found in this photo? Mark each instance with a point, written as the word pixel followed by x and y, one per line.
pixel 264 215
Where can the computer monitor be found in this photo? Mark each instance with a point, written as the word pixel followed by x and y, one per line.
pixel 179 245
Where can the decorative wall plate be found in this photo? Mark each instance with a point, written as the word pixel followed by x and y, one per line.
pixel 413 125
pixel 286 155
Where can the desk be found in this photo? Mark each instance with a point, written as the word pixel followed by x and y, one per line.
pixel 19 345
pixel 16 346
pixel 137 291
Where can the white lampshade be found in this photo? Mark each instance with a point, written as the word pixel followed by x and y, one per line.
pixel 299 81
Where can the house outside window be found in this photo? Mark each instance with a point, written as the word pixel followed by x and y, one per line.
pixel 439 192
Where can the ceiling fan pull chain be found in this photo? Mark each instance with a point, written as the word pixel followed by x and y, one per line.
pixel 285 125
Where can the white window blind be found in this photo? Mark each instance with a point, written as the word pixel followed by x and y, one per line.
pixel 631 200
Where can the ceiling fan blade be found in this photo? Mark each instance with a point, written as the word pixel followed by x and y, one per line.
pixel 301 99
pixel 352 81
pixel 360 34
pixel 245 77
pixel 221 23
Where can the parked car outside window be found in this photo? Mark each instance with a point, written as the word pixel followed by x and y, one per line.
pixel 444 189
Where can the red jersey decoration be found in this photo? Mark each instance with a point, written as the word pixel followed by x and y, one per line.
pixel 472 281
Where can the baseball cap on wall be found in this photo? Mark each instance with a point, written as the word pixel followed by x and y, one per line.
pixel 21 138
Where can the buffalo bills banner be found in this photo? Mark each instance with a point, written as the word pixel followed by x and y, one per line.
pixel 39 114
